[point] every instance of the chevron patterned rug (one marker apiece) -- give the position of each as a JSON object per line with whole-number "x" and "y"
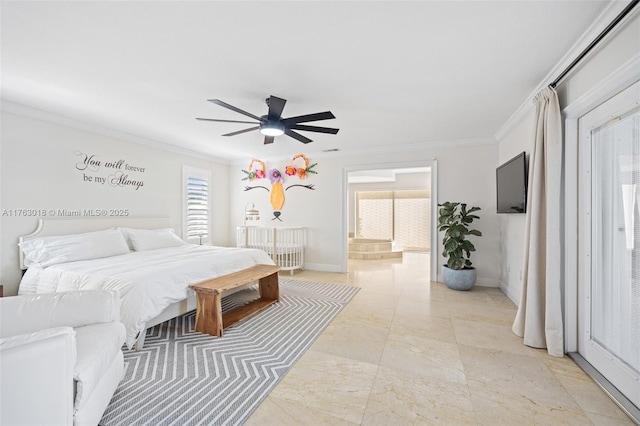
{"x": 182, "y": 377}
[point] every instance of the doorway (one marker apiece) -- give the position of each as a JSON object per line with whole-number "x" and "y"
{"x": 391, "y": 205}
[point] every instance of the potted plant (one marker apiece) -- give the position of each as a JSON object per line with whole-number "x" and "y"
{"x": 454, "y": 219}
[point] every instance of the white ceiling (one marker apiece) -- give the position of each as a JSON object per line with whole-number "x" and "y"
{"x": 393, "y": 73}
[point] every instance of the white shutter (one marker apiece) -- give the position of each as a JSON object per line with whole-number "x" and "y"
{"x": 401, "y": 216}
{"x": 196, "y": 204}
{"x": 197, "y": 207}
{"x": 374, "y": 214}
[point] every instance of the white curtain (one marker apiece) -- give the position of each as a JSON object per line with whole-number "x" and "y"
{"x": 539, "y": 317}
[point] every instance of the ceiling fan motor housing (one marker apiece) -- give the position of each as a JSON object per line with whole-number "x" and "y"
{"x": 273, "y": 124}
{"x": 271, "y": 127}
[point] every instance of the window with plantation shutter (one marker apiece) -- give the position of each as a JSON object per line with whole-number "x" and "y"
{"x": 196, "y": 212}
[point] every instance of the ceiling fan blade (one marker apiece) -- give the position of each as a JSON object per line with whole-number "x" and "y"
{"x": 314, "y": 129}
{"x": 276, "y": 105}
{"x": 297, "y": 136}
{"x": 327, "y": 115}
{"x": 268, "y": 139}
{"x": 242, "y": 131}
{"x": 226, "y": 121}
{"x": 232, "y": 108}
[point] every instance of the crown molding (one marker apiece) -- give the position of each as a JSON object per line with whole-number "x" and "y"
{"x": 616, "y": 82}
{"x": 29, "y": 112}
{"x": 604, "y": 19}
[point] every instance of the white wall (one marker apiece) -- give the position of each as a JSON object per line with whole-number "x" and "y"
{"x": 512, "y": 226}
{"x": 465, "y": 173}
{"x": 619, "y": 49}
{"x": 38, "y": 171}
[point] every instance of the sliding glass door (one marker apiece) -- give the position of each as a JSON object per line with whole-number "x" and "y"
{"x": 609, "y": 280}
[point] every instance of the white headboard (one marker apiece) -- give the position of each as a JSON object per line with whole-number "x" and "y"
{"x": 73, "y": 225}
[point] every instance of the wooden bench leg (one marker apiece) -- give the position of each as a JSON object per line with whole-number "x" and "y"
{"x": 209, "y": 318}
{"x": 269, "y": 288}
{"x": 209, "y": 313}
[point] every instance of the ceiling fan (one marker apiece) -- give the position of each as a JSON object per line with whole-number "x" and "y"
{"x": 272, "y": 124}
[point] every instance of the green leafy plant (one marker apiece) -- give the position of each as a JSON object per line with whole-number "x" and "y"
{"x": 454, "y": 219}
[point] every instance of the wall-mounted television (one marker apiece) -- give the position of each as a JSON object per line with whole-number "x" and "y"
{"x": 511, "y": 183}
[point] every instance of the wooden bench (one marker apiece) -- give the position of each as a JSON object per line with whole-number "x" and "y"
{"x": 209, "y": 318}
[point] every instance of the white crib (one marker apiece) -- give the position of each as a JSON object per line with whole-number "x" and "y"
{"x": 284, "y": 245}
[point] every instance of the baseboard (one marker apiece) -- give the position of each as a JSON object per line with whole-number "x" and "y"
{"x": 509, "y": 293}
{"x": 486, "y": 282}
{"x": 323, "y": 267}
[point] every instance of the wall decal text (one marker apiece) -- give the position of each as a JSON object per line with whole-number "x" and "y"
{"x": 118, "y": 173}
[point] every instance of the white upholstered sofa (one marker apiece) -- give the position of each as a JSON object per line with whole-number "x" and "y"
{"x": 60, "y": 357}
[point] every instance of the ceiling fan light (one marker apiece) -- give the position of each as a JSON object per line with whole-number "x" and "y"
{"x": 272, "y": 129}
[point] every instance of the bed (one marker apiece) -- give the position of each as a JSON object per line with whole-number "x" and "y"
{"x": 153, "y": 282}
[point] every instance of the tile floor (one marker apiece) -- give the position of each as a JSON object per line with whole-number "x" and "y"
{"x": 407, "y": 351}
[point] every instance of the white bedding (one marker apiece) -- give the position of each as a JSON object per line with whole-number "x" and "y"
{"x": 147, "y": 281}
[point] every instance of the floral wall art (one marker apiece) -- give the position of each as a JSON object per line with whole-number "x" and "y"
{"x": 297, "y": 169}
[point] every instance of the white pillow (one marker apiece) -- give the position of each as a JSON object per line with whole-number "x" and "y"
{"x": 47, "y": 251}
{"x": 150, "y": 239}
